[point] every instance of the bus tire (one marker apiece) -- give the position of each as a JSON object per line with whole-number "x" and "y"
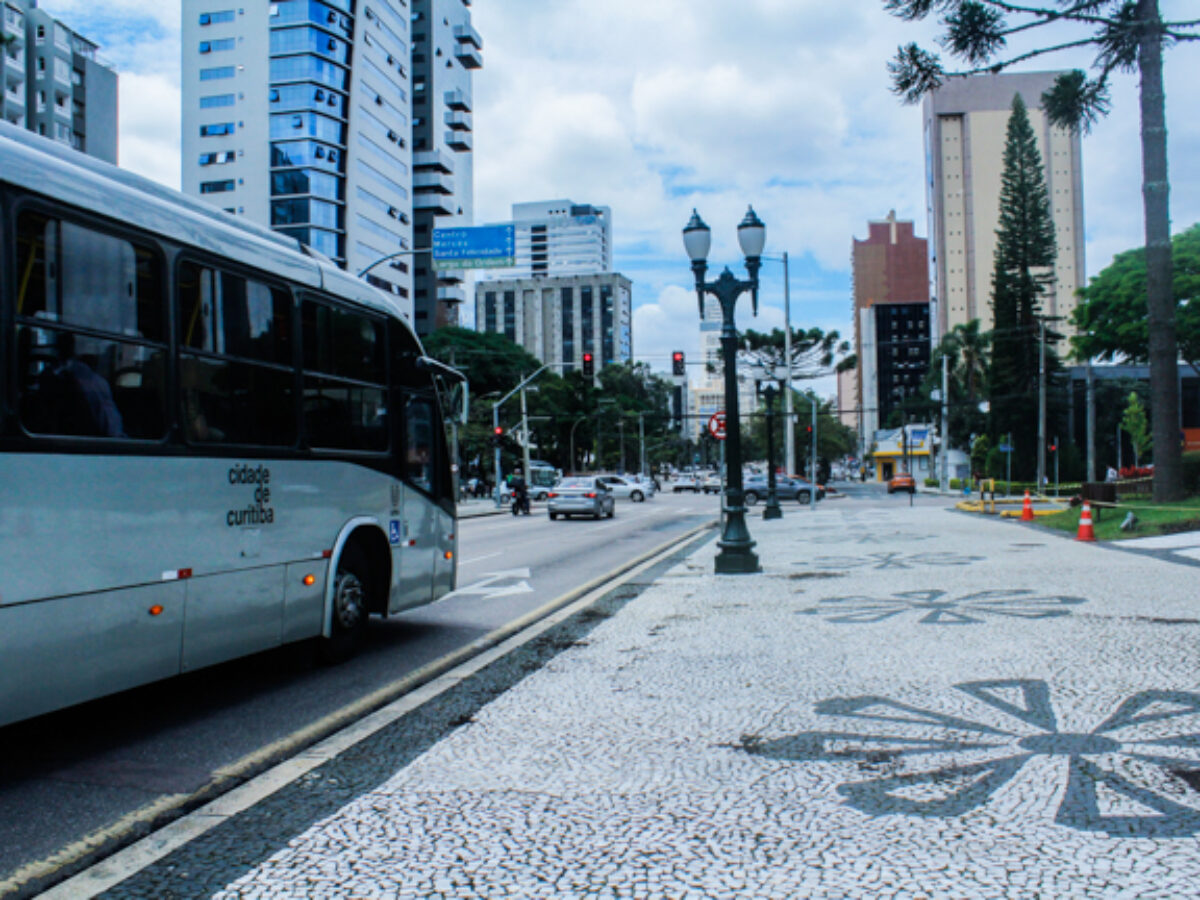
{"x": 351, "y": 605}
{"x": 637, "y": 496}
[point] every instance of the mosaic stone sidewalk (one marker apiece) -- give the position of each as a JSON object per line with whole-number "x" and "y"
{"x": 905, "y": 703}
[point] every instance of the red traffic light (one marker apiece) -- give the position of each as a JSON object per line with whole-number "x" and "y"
{"x": 498, "y": 430}
{"x": 808, "y": 428}
{"x": 589, "y": 367}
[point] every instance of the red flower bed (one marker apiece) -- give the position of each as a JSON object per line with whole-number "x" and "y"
{"x": 1136, "y": 472}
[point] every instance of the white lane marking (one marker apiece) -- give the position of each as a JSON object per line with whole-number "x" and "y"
{"x": 488, "y": 588}
{"x": 467, "y": 562}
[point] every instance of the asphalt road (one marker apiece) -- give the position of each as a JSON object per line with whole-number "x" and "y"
{"x": 70, "y": 775}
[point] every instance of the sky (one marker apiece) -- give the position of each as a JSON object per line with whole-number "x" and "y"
{"x": 656, "y": 107}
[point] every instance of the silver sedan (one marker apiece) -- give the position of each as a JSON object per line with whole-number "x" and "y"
{"x": 580, "y": 497}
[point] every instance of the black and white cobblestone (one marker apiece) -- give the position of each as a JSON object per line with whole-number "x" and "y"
{"x": 863, "y": 719}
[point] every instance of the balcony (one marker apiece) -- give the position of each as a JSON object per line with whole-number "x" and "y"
{"x": 457, "y": 100}
{"x": 465, "y": 34}
{"x": 459, "y": 141}
{"x": 468, "y": 56}
{"x": 438, "y": 204}
{"x": 433, "y": 161}
{"x": 451, "y": 295}
{"x": 458, "y": 121}
{"x": 432, "y": 183}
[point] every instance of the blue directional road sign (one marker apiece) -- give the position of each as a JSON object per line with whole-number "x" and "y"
{"x": 1006, "y": 448}
{"x": 484, "y": 247}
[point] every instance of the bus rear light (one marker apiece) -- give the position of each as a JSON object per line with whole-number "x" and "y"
{"x": 176, "y": 574}
{"x": 448, "y": 555}
{"x": 310, "y": 580}
{"x": 326, "y": 554}
{"x": 156, "y": 610}
{"x": 591, "y": 496}
{"x": 412, "y": 543}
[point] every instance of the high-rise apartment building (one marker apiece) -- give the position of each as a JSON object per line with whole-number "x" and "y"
{"x": 559, "y": 319}
{"x": 445, "y": 51}
{"x": 965, "y": 130}
{"x": 560, "y": 237}
{"x": 297, "y": 115}
{"x": 54, "y": 84}
{"x": 891, "y": 318}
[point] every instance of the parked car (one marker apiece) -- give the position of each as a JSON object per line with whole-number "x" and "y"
{"x": 786, "y": 488}
{"x": 587, "y": 496}
{"x": 901, "y": 481}
{"x": 693, "y": 483}
{"x": 626, "y": 487}
{"x": 711, "y": 483}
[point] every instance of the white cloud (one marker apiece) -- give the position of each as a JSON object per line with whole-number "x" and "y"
{"x": 653, "y": 107}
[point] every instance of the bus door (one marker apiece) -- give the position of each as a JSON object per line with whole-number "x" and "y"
{"x": 421, "y": 522}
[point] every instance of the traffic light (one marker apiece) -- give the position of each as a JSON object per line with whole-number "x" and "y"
{"x": 589, "y": 365}
{"x": 497, "y": 434}
{"x": 677, "y": 363}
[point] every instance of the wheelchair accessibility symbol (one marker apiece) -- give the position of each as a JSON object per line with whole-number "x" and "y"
{"x": 394, "y": 531}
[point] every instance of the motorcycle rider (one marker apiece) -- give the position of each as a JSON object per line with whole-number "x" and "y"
{"x": 520, "y": 493}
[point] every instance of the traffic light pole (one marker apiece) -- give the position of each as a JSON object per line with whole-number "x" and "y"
{"x": 497, "y": 431}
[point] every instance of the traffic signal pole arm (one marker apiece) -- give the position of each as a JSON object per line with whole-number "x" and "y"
{"x": 496, "y": 431}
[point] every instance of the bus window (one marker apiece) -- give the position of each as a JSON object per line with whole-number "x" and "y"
{"x": 419, "y": 443}
{"x": 345, "y": 377}
{"x": 235, "y": 368}
{"x": 90, "y": 339}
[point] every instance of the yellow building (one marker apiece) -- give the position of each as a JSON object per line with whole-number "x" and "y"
{"x": 909, "y": 449}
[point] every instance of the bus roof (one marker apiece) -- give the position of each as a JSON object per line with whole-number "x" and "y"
{"x": 42, "y": 166}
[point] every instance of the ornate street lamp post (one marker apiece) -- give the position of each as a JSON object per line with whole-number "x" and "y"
{"x": 771, "y": 510}
{"x": 736, "y": 555}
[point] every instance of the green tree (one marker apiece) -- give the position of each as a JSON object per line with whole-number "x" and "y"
{"x": 1127, "y": 35}
{"x": 1022, "y": 274}
{"x": 1111, "y": 315}
{"x": 1135, "y": 425}
{"x": 490, "y": 360}
{"x": 966, "y": 350}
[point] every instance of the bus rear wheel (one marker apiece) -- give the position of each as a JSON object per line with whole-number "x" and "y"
{"x": 351, "y": 604}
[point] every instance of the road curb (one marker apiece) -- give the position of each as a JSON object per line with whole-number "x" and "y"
{"x": 56, "y": 874}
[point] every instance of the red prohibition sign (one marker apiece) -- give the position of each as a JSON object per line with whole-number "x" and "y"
{"x": 716, "y": 425}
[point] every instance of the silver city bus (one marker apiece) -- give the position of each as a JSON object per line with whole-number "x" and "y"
{"x": 212, "y": 441}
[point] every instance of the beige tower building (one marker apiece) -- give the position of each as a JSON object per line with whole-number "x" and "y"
{"x": 965, "y": 128}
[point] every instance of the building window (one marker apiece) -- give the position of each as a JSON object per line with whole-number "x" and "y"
{"x": 217, "y": 73}
{"x": 217, "y": 129}
{"x": 216, "y": 18}
{"x": 216, "y": 187}
{"x": 217, "y": 46}
{"x": 216, "y": 100}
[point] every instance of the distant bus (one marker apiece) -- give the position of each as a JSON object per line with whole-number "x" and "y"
{"x": 211, "y": 441}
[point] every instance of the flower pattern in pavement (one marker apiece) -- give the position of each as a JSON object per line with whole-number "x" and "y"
{"x": 1120, "y": 778}
{"x": 889, "y": 559}
{"x": 937, "y": 607}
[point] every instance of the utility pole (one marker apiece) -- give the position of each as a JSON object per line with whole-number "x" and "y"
{"x": 524, "y": 435}
{"x": 813, "y": 498}
{"x": 789, "y": 426}
{"x": 1041, "y": 448}
{"x": 642, "y": 444}
{"x": 621, "y": 431}
{"x": 945, "y": 479}
{"x": 1091, "y": 423}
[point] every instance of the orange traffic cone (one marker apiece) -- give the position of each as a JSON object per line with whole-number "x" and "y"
{"x": 1085, "y": 524}
{"x": 1027, "y": 509}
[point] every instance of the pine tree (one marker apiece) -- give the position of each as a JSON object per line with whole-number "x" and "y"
{"x": 1023, "y": 272}
{"x": 1127, "y": 36}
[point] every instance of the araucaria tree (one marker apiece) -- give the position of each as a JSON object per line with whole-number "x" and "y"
{"x": 1127, "y": 35}
{"x": 1023, "y": 272}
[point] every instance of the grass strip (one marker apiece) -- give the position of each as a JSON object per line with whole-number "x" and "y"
{"x": 1152, "y": 518}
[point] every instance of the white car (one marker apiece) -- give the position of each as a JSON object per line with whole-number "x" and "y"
{"x": 626, "y": 488}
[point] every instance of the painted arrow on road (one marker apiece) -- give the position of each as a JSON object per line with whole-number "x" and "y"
{"x": 493, "y": 585}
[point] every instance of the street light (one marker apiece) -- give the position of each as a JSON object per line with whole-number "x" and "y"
{"x": 771, "y": 510}
{"x": 736, "y": 555}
